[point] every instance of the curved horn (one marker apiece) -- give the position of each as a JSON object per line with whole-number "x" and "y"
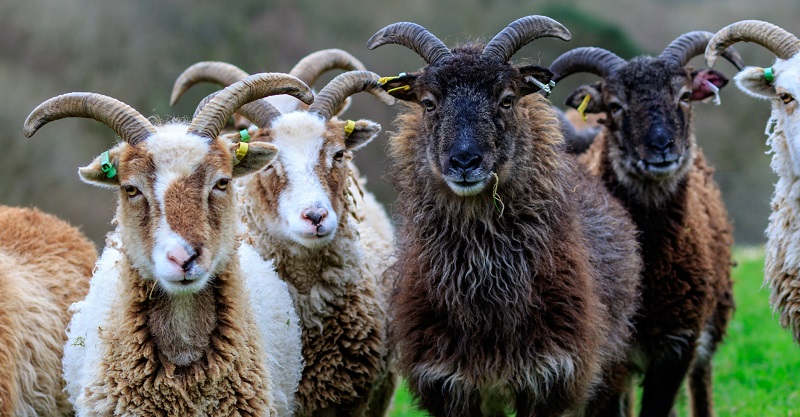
{"x": 780, "y": 42}
{"x": 312, "y": 66}
{"x": 217, "y": 72}
{"x": 692, "y": 44}
{"x": 344, "y": 85}
{"x": 522, "y": 31}
{"x": 586, "y": 59}
{"x": 260, "y": 112}
{"x": 210, "y": 121}
{"x": 126, "y": 122}
{"x": 412, "y": 36}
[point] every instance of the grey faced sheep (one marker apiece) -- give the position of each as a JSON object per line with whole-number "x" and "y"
{"x": 303, "y": 212}
{"x": 518, "y": 274}
{"x": 178, "y": 320}
{"x": 648, "y": 158}
{"x": 780, "y": 84}
{"x": 45, "y": 265}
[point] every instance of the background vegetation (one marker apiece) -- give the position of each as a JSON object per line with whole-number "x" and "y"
{"x": 134, "y": 50}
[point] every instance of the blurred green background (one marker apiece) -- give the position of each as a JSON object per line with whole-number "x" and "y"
{"x": 134, "y": 50}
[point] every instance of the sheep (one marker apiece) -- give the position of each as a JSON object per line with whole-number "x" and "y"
{"x": 45, "y": 264}
{"x": 647, "y": 156}
{"x": 778, "y": 84}
{"x": 308, "y": 70}
{"x": 179, "y": 320}
{"x": 517, "y": 273}
{"x": 303, "y": 213}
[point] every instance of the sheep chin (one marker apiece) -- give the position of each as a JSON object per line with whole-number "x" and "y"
{"x": 467, "y": 189}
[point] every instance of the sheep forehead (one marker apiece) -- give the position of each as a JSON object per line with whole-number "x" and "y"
{"x": 300, "y": 138}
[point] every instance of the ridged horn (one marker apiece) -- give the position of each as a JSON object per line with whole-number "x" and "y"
{"x": 780, "y": 42}
{"x": 692, "y": 44}
{"x": 126, "y": 122}
{"x": 344, "y": 85}
{"x": 260, "y": 112}
{"x": 216, "y": 72}
{"x": 412, "y": 36}
{"x": 313, "y": 65}
{"x": 585, "y": 59}
{"x": 521, "y": 32}
{"x": 210, "y": 121}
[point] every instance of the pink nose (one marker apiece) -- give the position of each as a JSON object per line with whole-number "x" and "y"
{"x": 180, "y": 257}
{"x": 315, "y": 215}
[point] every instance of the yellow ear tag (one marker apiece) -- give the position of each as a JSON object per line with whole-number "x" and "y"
{"x": 583, "y": 106}
{"x": 402, "y": 87}
{"x": 349, "y": 127}
{"x": 241, "y": 151}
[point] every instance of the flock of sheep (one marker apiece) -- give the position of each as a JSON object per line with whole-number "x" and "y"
{"x": 538, "y": 266}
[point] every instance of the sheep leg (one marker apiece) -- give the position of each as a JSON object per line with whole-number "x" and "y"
{"x": 661, "y": 384}
{"x": 439, "y": 401}
{"x": 700, "y": 392}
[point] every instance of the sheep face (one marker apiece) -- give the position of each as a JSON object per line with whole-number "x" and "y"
{"x": 303, "y": 190}
{"x": 469, "y": 112}
{"x": 649, "y": 106}
{"x": 175, "y": 206}
{"x": 783, "y": 91}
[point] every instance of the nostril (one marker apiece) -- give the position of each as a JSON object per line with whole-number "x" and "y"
{"x": 465, "y": 161}
{"x": 315, "y": 215}
{"x": 183, "y": 258}
{"x": 189, "y": 262}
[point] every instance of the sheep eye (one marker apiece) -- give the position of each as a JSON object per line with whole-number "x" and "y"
{"x": 686, "y": 96}
{"x": 428, "y": 104}
{"x": 614, "y": 107}
{"x": 222, "y": 184}
{"x": 786, "y": 98}
{"x": 507, "y": 102}
{"x": 131, "y": 191}
{"x": 338, "y": 156}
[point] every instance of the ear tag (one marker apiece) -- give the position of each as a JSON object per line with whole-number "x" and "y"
{"x": 402, "y": 87}
{"x": 584, "y": 104}
{"x": 384, "y": 80}
{"x": 715, "y": 90}
{"x": 547, "y": 88}
{"x": 107, "y": 166}
{"x": 349, "y": 127}
{"x": 241, "y": 151}
{"x": 245, "y": 135}
{"x": 769, "y": 75}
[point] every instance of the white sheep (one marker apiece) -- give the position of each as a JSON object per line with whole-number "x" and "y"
{"x": 780, "y": 85}
{"x": 175, "y": 322}
{"x": 304, "y": 212}
{"x": 45, "y": 264}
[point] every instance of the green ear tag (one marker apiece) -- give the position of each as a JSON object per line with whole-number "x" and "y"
{"x": 769, "y": 75}
{"x": 107, "y": 166}
{"x": 245, "y": 135}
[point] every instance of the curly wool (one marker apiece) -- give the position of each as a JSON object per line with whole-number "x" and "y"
{"x": 782, "y": 263}
{"x": 338, "y": 295}
{"x": 45, "y": 265}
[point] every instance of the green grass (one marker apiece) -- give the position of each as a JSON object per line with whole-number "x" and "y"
{"x": 757, "y": 368}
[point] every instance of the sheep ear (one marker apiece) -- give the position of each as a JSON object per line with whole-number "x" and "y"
{"x": 751, "y": 80}
{"x": 360, "y": 133}
{"x": 401, "y": 87}
{"x": 257, "y": 155}
{"x": 534, "y": 77}
{"x": 700, "y": 80}
{"x": 102, "y": 172}
{"x": 596, "y": 103}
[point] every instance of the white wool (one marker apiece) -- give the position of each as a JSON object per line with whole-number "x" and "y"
{"x": 279, "y": 325}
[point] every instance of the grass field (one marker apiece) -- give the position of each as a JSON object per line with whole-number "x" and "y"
{"x": 757, "y": 369}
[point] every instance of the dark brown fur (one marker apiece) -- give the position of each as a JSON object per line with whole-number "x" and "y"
{"x": 527, "y": 310}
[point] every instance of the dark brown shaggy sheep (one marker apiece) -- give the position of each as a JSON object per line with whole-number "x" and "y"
{"x": 518, "y": 273}
{"x": 648, "y": 157}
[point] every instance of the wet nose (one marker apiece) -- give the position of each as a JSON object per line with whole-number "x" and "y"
{"x": 659, "y": 139}
{"x": 465, "y": 160}
{"x": 315, "y": 215}
{"x": 183, "y": 258}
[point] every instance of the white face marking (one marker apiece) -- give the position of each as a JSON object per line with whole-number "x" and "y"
{"x": 299, "y": 137}
{"x": 787, "y": 80}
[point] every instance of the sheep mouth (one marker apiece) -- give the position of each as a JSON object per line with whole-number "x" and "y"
{"x": 467, "y": 188}
{"x": 659, "y": 169}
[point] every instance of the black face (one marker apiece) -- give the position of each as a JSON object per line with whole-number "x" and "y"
{"x": 469, "y": 111}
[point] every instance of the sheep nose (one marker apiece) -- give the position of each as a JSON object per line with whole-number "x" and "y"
{"x": 315, "y": 215}
{"x": 466, "y": 161}
{"x": 659, "y": 140}
{"x": 183, "y": 258}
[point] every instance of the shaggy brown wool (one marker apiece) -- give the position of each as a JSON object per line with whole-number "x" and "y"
{"x": 529, "y": 308}
{"x": 687, "y": 292}
{"x": 45, "y": 265}
{"x": 229, "y": 379}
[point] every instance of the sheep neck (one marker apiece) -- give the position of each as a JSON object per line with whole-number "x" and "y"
{"x": 182, "y": 325}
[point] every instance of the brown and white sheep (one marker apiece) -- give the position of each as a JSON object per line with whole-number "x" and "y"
{"x": 648, "y": 157}
{"x": 780, "y": 85}
{"x": 305, "y": 212}
{"x": 45, "y": 265}
{"x": 518, "y": 273}
{"x": 173, "y": 324}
